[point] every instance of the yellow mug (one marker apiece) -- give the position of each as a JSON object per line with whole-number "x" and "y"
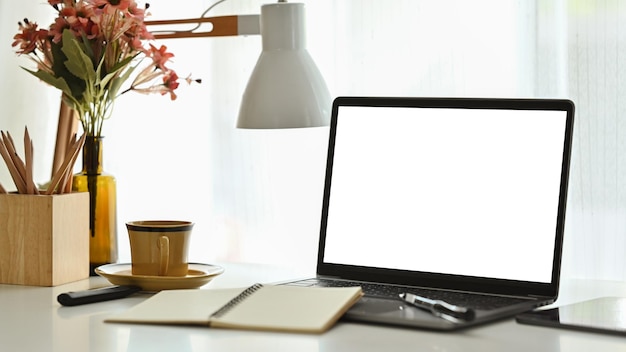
{"x": 159, "y": 247}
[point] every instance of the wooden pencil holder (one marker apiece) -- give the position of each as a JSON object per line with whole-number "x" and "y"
{"x": 44, "y": 238}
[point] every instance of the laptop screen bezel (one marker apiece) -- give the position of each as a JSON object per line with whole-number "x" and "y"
{"x": 445, "y": 281}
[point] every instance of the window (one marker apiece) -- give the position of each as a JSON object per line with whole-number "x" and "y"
{"x": 256, "y": 195}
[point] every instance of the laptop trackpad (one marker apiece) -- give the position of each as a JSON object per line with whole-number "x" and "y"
{"x": 395, "y": 312}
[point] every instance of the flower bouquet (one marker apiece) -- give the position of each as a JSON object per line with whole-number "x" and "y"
{"x": 90, "y": 51}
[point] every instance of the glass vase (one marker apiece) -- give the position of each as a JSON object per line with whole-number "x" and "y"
{"x": 102, "y": 204}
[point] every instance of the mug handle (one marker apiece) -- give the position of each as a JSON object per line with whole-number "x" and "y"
{"x": 164, "y": 249}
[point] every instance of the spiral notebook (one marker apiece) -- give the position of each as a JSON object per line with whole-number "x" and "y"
{"x": 258, "y": 307}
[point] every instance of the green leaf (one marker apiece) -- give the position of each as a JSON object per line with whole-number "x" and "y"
{"x": 78, "y": 63}
{"x": 116, "y": 83}
{"x": 58, "y": 58}
{"x": 86, "y": 47}
{"x": 99, "y": 73}
{"x": 118, "y": 79}
{"x": 58, "y": 83}
{"x": 105, "y": 80}
{"x": 76, "y": 84}
{"x": 120, "y": 65}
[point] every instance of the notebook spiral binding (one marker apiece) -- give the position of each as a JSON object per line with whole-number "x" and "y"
{"x": 235, "y": 301}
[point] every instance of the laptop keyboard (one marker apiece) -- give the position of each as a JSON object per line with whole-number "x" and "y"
{"x": 470, "y": 300}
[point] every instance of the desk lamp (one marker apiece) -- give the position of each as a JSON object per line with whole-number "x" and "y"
{"x": 286, "y": 89}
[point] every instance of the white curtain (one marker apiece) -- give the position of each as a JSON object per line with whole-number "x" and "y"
{"x": 256, "y": 195}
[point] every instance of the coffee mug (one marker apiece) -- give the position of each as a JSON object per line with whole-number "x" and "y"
{"x": 159, "y": 247}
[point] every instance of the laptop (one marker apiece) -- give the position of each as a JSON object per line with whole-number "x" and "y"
{"x": 458, "y": 203}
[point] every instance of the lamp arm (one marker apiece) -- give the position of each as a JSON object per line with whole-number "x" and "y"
{"x": 222, "y": 26}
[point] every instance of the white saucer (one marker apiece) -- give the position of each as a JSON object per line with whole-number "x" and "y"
{"x": 121, "y": 274}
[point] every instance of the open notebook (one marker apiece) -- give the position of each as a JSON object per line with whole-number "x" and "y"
{"x": 451, "y": 199}
{"x": 258, "y": 307}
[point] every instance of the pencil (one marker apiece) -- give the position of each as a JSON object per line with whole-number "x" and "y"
{"x": 15, "y": 174}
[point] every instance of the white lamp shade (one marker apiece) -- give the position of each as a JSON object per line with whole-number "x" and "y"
{"x": 286, "y": 89}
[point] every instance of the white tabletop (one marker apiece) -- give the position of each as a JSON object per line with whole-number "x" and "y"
{"x": 32, "y": 320}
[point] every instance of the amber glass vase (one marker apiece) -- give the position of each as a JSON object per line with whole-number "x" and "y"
{"x": 102, "y": 204}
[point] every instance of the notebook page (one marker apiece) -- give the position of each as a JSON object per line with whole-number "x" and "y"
{"x": 290, "y": 308}
{"x": 177, "y": 307}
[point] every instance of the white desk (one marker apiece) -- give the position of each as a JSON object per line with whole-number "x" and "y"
{"x": 32, "y": 320}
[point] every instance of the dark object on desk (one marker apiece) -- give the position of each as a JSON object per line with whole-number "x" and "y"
{"x": 604, "y": 315}
{"x": 96, "y": 295}
{"x": 453, "y": 199}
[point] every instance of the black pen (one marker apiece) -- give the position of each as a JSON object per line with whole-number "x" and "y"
{"x": 96, "y": 295}
{"x": 440, "y": 308}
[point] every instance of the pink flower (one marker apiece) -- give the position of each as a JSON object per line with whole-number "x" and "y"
{"x": 143, "y": 32}
{"x": 80, "y": 19}
{"x": 136, "y": 12}
{"x": 110, "y": 6}
{"x": 56, "y": 29}
{"x": 190, "y": 80}
{"x": 160, "y": 56}
{"x": 136, "y": 33}
{"x": 28, "y": 37}
{"x": 170, "y": 82}
{"x": 54, "y": 3}
{"x": 68, "y": 12}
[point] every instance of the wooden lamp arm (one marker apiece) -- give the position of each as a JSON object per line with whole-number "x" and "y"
{"x": 222, "y": 26}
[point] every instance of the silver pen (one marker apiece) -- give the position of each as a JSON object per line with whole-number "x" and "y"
{"x": 440, "y": 308}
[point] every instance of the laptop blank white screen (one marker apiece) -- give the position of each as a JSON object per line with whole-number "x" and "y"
{"x": 456, "y": 191}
